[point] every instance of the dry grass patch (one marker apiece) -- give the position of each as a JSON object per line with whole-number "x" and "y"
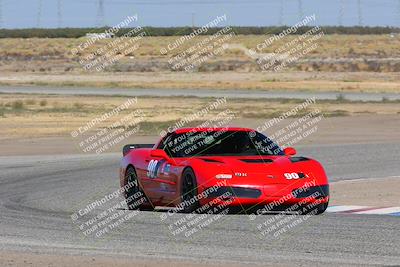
{"x": 59, "y": 115}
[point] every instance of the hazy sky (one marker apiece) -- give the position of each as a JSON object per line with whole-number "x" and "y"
{"x": 80, "y": 13}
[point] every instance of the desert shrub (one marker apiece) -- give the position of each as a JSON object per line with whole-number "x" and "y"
{"x": 30, "y": 102}
{"x": 78, "y": 105}
{"x": 43, "y": 103}
{"x": 17, "y": 105}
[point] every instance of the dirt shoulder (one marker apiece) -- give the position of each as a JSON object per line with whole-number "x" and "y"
{"x": 13, "y": 258}
{"x": 375, "y": 192}
{"x": 291, "y": 81}
{"x": 33, "y": 118}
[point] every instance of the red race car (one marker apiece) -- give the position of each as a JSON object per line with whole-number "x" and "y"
{"x": 238, "y": 167}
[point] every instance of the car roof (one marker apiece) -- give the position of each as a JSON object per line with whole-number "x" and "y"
{"x": 203, "y": 129}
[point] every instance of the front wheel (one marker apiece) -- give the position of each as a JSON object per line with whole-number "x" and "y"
{"x": 189, "y": 191}
{"x": 321, "y": 208}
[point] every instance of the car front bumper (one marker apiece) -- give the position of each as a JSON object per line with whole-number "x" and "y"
{"x": 262, "y": 195}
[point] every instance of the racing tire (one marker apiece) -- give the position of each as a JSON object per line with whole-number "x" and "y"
{"x": 189, "y": 191}
{"x": 140, "y": 202}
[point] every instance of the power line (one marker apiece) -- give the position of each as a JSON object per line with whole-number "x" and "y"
{"x": 173, "y": 2}
{"x": 39, "y": 14}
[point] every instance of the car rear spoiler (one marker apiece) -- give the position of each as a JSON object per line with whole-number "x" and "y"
{"x": 129, "y": 147}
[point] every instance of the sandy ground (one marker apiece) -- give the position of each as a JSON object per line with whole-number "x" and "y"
{"x": 292, "y": 81}
{"x": 13, "y": 258}
{"x": 378, "y": 192}
{"x": 24, "y": 116}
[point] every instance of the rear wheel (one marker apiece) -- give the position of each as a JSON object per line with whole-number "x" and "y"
{"x": 189, "y": 191}
{"x": 135, "y": 197}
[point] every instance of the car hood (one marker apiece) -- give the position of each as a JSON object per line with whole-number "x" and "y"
{"x": 261, "y": 169}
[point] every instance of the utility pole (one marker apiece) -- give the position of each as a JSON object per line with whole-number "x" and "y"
{"x": 281, "y": 13}
{"x": 100, "y": 13}
{"x": 300, "y": 4}
{"x": 59, "y": 14}
{"x": 398, "y": 12}
{"x": 39, "y": 14}
{"x": 360, "y": 18}
{"x": 1, "y": 14}
{"x": 341, "y": 12}
{"x": 193, "y": 16}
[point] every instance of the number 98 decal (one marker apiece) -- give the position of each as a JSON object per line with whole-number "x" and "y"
{"x": 291, "y": 176}
{"x": 152, "y": 168}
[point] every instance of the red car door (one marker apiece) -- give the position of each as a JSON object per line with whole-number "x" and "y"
{"x": 160, "y": 180}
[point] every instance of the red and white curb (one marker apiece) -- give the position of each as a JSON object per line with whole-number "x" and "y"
{"x": 392, "y": 211}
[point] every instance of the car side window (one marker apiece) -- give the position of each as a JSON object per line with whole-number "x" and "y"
{"x": 164, "y": 142}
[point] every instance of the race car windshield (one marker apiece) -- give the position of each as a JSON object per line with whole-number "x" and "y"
{"x": 216, "y": 143}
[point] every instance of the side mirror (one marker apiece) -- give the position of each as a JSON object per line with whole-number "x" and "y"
{"x": 289, "y": 151}
{"x": 159, "y": 153}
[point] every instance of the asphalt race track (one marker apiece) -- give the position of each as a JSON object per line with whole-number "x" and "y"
{"x": 38, "y": 195}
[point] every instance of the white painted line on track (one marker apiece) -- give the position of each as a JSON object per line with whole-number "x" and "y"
{"x": 363, "y": 179}
{"x": 380, "y": 211}
{"x": 353, "y": 209}
{"x": 344, "y": 208}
